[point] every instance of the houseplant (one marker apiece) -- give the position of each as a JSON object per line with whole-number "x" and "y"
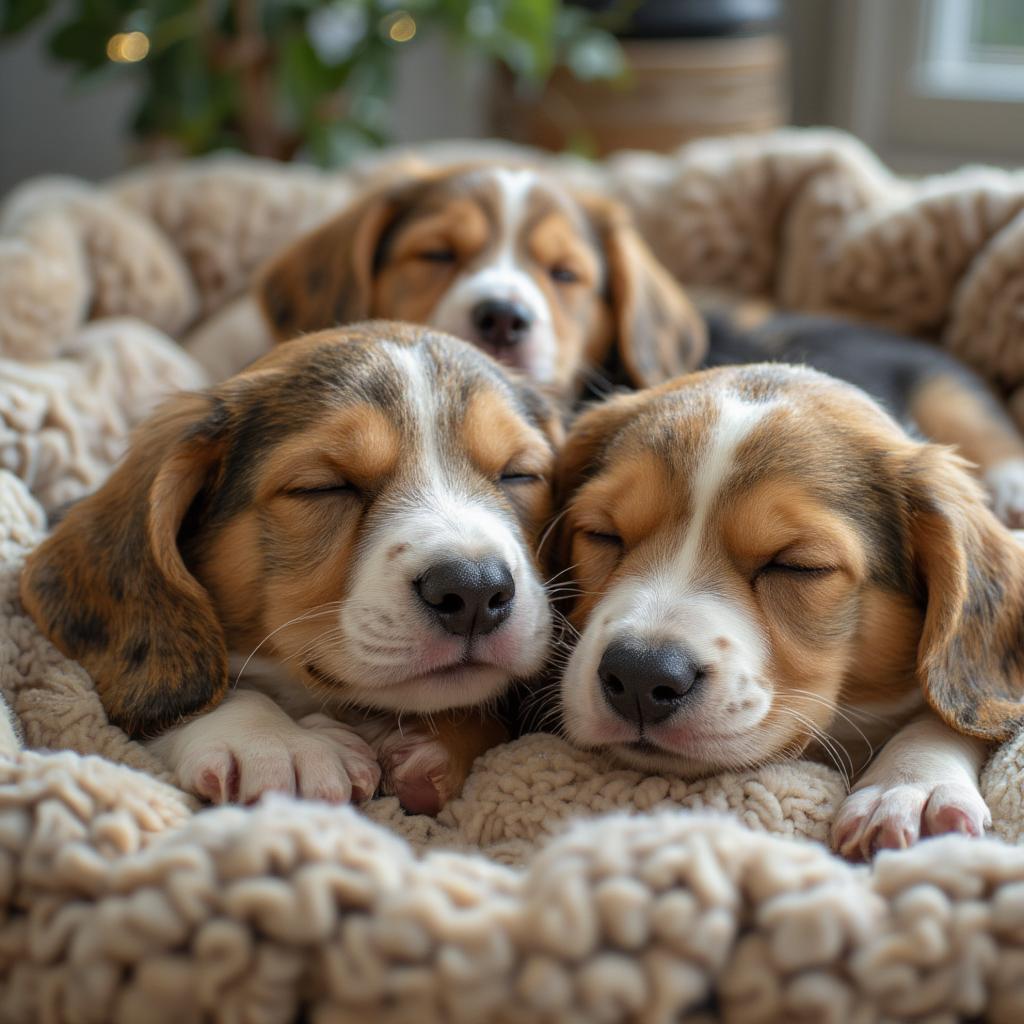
{"x": 281, "y": 78}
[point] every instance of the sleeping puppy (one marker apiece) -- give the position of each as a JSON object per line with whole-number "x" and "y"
{"x": 766, "y": 564}
{"x": 285, "y": 564}
{"x": 550, "y": 282}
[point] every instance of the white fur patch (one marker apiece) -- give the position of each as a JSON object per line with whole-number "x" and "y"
{"x": 505, "y": 278}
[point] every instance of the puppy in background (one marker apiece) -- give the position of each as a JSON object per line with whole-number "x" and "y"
{"x": 765, "y": 564}
{"x": 555, "y": 284}
{"x": 285, "y": 565}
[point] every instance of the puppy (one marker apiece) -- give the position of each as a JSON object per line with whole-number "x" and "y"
{"x": 285, "y": 564}
{"x": 553, "y": 283}
{"x": 766, "y": 564}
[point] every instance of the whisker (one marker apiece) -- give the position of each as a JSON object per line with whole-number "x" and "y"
{"x": 817, "y": 698}
{"x": 312, "y": 614}
{"x": 547, "y": 532}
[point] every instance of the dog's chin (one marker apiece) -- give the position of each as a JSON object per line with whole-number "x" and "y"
{"x": 455, "y": 686}
{"x": 699, "y": 759}
{"x": 644, "y": 756}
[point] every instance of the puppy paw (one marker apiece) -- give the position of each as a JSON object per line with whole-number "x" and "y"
{"x": 418, "y": 768}
{"x": 314, "y": 759}
{"x": 895, "y": 817}
{"x": 1005, "y": 485}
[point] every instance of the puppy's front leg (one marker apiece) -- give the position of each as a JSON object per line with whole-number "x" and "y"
{"x": 425, "y": 761}
{"x": 923, "y": 783}
{"x": 248, "y": 746}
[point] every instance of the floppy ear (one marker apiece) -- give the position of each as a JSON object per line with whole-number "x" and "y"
{"x": 325, "y": 278}
{"x": 659, "y": 333}
{"x": 971, "y": 653}
{"x": 110, "y": 589}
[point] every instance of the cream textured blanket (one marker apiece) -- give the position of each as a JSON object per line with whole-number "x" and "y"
{"x": 542, "y": 894}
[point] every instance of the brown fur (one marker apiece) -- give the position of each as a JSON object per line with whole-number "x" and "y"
{"x": 203, "y": 540}
{"x": 369, "y": 261}
{"x": 924, "y": 587}
{"x": 111, "y": 590}
{"x": 950, "y": 411}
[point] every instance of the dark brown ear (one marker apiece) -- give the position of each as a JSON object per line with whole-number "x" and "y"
{"x": 659, "y": 333}
{"x": 325, "y": 278}
{"x": 971, "y": 654}
{"x": 110, "y": 589}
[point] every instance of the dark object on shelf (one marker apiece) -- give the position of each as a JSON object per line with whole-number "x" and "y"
{"x": 687, "y": 19}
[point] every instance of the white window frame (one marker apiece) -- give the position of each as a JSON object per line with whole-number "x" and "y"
{"x": 906, "y": 84}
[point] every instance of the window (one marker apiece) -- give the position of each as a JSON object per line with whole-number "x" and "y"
{"x": 931, "y": 84}
{"x": 973, "y": 50}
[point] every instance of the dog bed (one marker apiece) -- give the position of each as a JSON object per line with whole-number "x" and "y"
{"x": 557, "y": 887}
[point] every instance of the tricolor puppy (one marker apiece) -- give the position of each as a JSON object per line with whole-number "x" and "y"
{"x": 553, "y": 283}
{"x": 765, "y": 564}
{"x": 283, "y": 565}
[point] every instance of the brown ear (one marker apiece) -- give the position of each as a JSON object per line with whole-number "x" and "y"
{"x": 971, "y": 653}
{"x": 325, "y": 278}
{"x": 659, "y": 333}
{"x": 110, "y": 589}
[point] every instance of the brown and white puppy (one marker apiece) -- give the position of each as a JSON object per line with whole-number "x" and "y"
{"x": 284, "y": 564}
{"x": 764, "y": 564}
{"x": 553, "y": 283}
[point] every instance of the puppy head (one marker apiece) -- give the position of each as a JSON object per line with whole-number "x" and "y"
{"x": 755, "y": 548}
{"x": 545, "y": 282}
{"x": 362, "y": 505}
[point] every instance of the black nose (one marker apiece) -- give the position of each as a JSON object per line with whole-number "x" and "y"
{"x": 646, "y": 684}
{"x": 501, "y": 324}
{"x": 468, "y": 597}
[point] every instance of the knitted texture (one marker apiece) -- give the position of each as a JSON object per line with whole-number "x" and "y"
{"x": 557, "y": 887}
{"x": 123, "y": 903}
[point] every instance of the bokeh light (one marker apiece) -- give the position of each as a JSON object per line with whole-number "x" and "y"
{"x": 127, "y": 47}
{"x": 400, "y": 26}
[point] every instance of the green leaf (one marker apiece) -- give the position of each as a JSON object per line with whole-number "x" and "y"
{"x": 529, "y": 28}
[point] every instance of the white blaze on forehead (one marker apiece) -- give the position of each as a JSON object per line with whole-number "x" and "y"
{"x": 737, "y": 417}
{"x": 445, "y": 517}
{"x": 514, "y": 187}
{"x": 419, "y": 391}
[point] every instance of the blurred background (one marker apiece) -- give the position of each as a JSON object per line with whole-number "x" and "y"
{"x": 89, "y": 87}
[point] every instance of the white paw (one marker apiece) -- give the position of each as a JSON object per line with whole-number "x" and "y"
{"x": 316, "y": 758}
{"x": 895, "y": 817}
{"x": 1005, "y": 485}
{"x": 418, "y": 770}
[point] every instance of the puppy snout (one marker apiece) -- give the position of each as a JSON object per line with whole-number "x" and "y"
{"x": 501, "y": 323}
{"x": 646, "y": 684}
{"x": 468, "y": 597}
